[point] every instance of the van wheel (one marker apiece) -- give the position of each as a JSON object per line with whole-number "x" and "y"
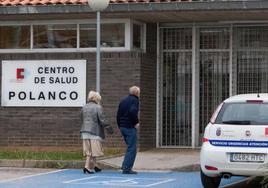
{"x": 210, "y": 182}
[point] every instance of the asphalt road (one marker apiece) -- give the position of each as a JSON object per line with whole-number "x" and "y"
{"x": 74, "y": 178}
{"x": 249, "y": 183}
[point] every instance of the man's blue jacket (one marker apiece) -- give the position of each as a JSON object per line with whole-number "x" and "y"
{"x": 127, "y": 114}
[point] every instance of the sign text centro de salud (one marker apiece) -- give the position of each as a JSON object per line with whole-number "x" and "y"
{"x": 44, "y": 83}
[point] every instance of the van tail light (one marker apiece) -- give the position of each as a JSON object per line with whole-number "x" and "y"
{"x": 204, "y": 140}
{"x": 215, "y": 114}
{"x": 212, "y": 168}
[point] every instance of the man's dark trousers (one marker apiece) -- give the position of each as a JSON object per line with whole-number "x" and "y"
{"x": 130, "y": 137}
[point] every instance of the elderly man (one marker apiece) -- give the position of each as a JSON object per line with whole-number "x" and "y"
{"x": 128, "y": 123}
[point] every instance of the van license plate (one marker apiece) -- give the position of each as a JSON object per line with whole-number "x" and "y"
{"x": 247, "y": 157}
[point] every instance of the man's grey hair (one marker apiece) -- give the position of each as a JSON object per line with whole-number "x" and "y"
{"x": 94, "y": 96}
{"x": 134, "y": 90}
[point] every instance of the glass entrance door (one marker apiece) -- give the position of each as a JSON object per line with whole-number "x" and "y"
{"x": 251, "y": 59}
{"x": 214, "y": 72}
{"x": 176, "y": 87}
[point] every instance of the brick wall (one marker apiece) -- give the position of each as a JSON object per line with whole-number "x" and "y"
{"x": 148, "y": 90}
{"x": 53, "y": 127}
{"x": 120, "y": 72}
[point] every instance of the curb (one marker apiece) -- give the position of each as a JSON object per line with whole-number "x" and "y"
{"x": 60, "y": 164}
{"x": 187, "y": 168}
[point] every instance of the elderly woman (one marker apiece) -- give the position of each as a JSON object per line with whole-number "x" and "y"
{"x": 92, "y": 131}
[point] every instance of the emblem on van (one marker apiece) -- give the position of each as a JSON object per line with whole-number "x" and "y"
{"x": 248, "y": 133}
{"x": 218, "y": 132}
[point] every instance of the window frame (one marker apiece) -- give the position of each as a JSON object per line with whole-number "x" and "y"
{"x": 128, "y": 36}
{"x": 143, "y": 35}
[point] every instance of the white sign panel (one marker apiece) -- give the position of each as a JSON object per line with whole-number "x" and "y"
{"x": 44, "y": 83}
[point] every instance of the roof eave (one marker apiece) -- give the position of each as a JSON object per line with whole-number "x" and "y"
{"x": 138, "y": 7}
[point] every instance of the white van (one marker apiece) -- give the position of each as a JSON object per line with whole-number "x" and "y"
{"x": 236, "y": 139}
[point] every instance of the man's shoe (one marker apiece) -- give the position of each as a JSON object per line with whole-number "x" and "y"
{"x": 97, "y": 169}
{"x": 129, "y": 172}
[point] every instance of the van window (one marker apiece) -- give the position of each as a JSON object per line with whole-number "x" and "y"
{"x": 243, "y": 114}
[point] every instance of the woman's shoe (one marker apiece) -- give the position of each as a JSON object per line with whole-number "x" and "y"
{"x": 85, "y": 170}
{"x": 97, "y": 169}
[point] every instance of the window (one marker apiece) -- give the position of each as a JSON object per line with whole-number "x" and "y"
{"x": 243, "y": 113}
{"x": 14, "y": 37}
{"x": 112, "y": 35}
{"x": 71, "y": 36}
{"x": 54, "y": 36}
{"x": 87, "y": 36}
{"x": 253, "y": 37}
{"x": 137, "y": 36}
{"x": 214, "y": 38}
{"x": 177, "y": 39}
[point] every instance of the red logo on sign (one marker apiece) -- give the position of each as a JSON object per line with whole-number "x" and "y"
{"x": 20, "y": 73}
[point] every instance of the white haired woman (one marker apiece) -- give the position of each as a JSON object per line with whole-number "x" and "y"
{"x": 92, "y": 131}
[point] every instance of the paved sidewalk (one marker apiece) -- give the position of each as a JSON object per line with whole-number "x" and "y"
{"x": 156, "y": 159}
{"x": 161, "y": 159}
